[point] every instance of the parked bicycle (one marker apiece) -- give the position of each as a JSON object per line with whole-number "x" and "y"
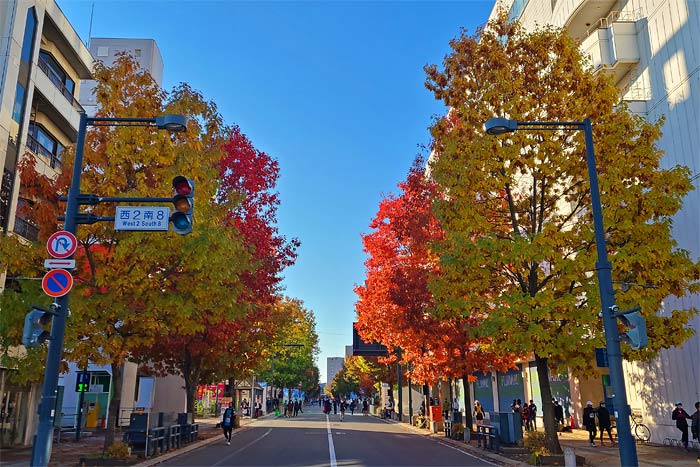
{"x": 640, "y": 430}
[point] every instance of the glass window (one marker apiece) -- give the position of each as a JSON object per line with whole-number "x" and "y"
{"x": 53, "y": 65}
{"x": 19, "y": 103}
{"x": 28, "y": 41}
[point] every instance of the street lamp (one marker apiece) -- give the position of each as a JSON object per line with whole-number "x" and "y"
{"x": 41, "y": 450}
{"x": 498, "y": 126}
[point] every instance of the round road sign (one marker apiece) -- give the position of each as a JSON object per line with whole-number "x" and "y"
{"x": 57, "y": 282}
{"x": 61, "y": 244}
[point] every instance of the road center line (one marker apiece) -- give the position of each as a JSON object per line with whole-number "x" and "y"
{"x": 331, "y": 449}
{"x": 243, "y": 448}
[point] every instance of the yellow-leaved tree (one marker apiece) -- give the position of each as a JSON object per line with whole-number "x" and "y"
{"x": 519, "y": 240}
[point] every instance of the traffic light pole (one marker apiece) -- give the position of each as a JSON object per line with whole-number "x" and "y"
{"x": 628, "y": 450}
{"x": 41, "y": 449}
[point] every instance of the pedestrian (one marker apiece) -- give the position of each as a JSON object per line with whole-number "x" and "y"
{"x": 526, "y": 417}
{"x": 446, "y": 406}
{"x": 589, "y": 422}
{"x": 681, "y": 417}
{"x": 290, "y": 408}
{"x": 227, "y": 422}
{"x": 335, "y": 406}
{"x": 455, "y": 409}
{"x": 342, "y": 407}
{"x": 604, "y": 423}
{"x": 559, "y": 414}
{"x": 365, "y": 408}
{"x": 533, "y": 416}
{"x": 296, "y": 407}
{"x": 478, "y": 413}
{"x": 695, "y": 428}
{"x": 353, "y": 404}
{"x": 326, "y": 406}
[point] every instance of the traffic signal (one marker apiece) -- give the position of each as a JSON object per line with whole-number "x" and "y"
{"x": 35, "y": 333}
{"x": 183, "y": 202}
{"x": 636, "y": 335}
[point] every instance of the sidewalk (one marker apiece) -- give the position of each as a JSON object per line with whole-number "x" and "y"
{"x": 68, "y": 453}
{"x": 599, "y": 456}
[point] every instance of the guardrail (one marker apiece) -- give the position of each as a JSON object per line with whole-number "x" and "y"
{"x": 58, "y": 82}
{"x": 487, "y": 437}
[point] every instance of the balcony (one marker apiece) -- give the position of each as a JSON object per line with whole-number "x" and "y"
{"x": 612, "y": 45}
{"x": 56, "y": 80}
{"x": 26, "y": 229}
{"x": 37, "y": 148}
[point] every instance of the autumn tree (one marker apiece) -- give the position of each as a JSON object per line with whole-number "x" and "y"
{"x": 516, "y": 211}
{"x": 230, "y": 348}
{"x": 290, "y": 359}
{"x": 396, "y": 303}
{"x": 134, "y": 288}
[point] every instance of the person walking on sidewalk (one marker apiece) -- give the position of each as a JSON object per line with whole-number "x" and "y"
{"x": 695, "y": 427}
{"x": 604, "y": 423}
{"x": 681, "y": 417}
{"x": 227, "y": 422}
{"x": 478, "y": 413}
{"x": 589, "y": 422}
{"x": 533, "y": 416}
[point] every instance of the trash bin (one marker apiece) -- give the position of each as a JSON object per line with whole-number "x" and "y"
{"x": 436, "y": 413}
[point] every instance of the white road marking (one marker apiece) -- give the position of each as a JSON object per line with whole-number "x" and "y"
{"x": 331, "y": 449}
{"x": 467, "y": 453}
{"x": 243, "y": 448}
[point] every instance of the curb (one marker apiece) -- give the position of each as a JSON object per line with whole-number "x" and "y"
{"x": 191, "y": 447}
{"x": 476, "y": 452}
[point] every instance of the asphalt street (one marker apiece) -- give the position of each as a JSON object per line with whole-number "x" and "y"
{"x": 313, "y": 439}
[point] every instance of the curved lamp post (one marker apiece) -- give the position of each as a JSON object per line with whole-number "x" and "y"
{"x": 628, "y": 450}
{"x": 41, "y": 449}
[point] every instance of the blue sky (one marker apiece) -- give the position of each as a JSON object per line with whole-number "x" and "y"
{"x": 332, "y": 90}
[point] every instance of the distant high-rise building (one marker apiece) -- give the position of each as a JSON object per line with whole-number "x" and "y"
{"x": 333, "y": 367}
{"x": 144, "y": 51}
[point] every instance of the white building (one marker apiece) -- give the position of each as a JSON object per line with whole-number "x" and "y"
{"x": 333, "y": 367}
{"x": 651, "y": 47}
{"x": 42, "y": 63}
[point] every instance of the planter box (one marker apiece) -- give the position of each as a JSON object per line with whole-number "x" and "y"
{"x": 102, "y": 461}
{"x": 558, "y": 460}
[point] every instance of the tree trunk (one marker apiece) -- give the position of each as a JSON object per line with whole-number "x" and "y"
{"x": 114, "y": 405}
{"x": 467, "y": 403}
{"x": 191, "y": 377}
{"x": 550, "y": 424}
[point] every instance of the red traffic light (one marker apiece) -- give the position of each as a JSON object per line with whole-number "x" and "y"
{"x": 182, "y": 185}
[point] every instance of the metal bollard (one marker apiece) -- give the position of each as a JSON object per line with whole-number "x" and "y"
{"x": 569, "y": 457}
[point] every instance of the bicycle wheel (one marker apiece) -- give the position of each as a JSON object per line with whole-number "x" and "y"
{"x": 642, "y": 432}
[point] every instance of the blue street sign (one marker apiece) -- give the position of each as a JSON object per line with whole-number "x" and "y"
{"x": 57, "y": 282}
{"x": 82, "y": 381}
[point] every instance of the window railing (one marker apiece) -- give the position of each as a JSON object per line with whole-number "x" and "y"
{"x": 37, "y": 148}
{"x": 58, "y": 82}
{"x": 26, "y": 229}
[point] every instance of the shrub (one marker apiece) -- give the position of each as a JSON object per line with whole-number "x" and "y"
{"x": 535, "y": 442}
{"x": 458, "y": 431}
{"x": 118, "y": 450}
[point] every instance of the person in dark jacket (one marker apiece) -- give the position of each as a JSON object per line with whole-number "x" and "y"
{"x": 227, "y": 421}
{"x": 681, "y": 417}
{"x": 604, "y": 423}
{"x": 589, "y": 422}
{"x": 558, "y": 414}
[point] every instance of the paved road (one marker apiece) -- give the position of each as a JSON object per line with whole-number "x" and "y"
{"x": 313, "y": 439}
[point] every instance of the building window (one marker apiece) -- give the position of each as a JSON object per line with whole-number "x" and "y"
{"x": 56, "y": 73}
{"x": 23, "y": 226}
{"x": 18, "y": 108}
{"x": 102, "y": 51}
{"x": 5, "y": 195}
{"x": 28, "y": 41}
{"x": 137, "y": 52}
{"x": 41, "y": 142}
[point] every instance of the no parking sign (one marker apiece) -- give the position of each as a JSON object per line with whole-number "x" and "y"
{"x": 57, "y": 283}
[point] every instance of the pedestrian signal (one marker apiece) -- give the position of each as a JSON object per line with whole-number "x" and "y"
{"x": 636, "y": 335}
{"x": 35, "y": 332}
{"x": 183, "y": 201}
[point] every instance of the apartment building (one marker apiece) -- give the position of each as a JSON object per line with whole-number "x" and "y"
{"x": 42, "y": 62}
{"x": 105, "y": 50}
{"x": 651, "y": 49}
{"x": 333, "y": 367}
